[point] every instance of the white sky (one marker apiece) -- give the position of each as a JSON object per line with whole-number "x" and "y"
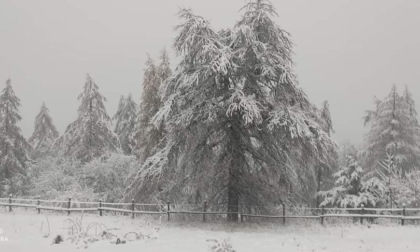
{"x": 347, "y": 51}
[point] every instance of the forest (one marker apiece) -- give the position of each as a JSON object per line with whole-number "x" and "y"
{"x": 228, "y": 125}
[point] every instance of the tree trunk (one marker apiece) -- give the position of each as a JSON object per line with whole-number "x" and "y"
{"x": 233, "y": 201}
{"x": 318, "y": 187}
{"x": 236, "y": 164}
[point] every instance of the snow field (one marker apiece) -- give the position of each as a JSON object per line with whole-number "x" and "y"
{"x": 30, "y": 232}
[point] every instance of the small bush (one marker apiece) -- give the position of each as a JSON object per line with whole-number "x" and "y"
{"x": 58, "y": 239}
{"x": 224, "y": 246}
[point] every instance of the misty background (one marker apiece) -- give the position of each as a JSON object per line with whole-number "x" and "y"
{"x": 346, "y": 51}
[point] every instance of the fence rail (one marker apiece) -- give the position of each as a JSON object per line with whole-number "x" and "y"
{"x": 361, "y": 213}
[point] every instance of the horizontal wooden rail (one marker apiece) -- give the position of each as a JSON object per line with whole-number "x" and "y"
{"x": 66, "y": 209}
{"x": 128, "y": 211}
{"x": 116, "y": 204}
{"x": 363, "y": 216}
{"x": 413, "y": 209}
{"x": 52, "y": 208}
{"x": 18, "y": 205}
{"x": 411, "y": 218}
{"x": 280, "y": 216}
{"x": 207, "y": 213}
{"x": 25, "y": 200}
{"x": 115, "y": 209}
{"x": 51, "y": 201}
{"x": 80, "y": 209}
{"x": 384, "y": 209}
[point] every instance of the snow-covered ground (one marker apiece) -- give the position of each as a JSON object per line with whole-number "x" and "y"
{"x": 25, "y": 231}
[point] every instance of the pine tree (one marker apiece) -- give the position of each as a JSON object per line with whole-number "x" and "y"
{"x": 90, "y": 135}
{"x": 119, "y": 112}
{"x": 349, "y": 186}
{"x": 44, "y": 135}
{"x": 239, "y": 129}
{"x": 325, "y": 167}
{"x": 164, "y": 70}
{"x": 398, "y": 190}
{"x": 389, "y": 173}
{"x": 14, "y": 148}
{"x": 147, "y": 136}
{"x": 346, "y": 149}
{"x": 394, "y": 130}
{"x": 351, "y": 190}
{"x": 125, "y": 122}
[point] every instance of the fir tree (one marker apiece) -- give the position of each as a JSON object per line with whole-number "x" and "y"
{"x": 398, "y": 190}
{"x": 350, "y": 190}
{"x": 389, "y": 174}
{"x": 164, "y": 70}
{"x": 325, "y": 166}
{"x": 13, "y": 146}
{"x": 90, "y": 135}
{"x": 119, "y": 112}
{"x": 147, "y": 136}
{"x": 44, "y": 134}
{"x": 125, "y": 122}
{"x": 393, "y": 130}
{"x": 239, "y": 129}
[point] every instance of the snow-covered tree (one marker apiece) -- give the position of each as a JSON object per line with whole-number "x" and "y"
{"x": 147, "y": 136}
{"x": 125, "y": 121}
{"x": 44, "y": 135}
{"x": 325, "y": 167}
{"x": 14, "y": 148}
{"x": 119, "y": 112}
{"x": 164, "y": 70}
{"x": 55, "y": 178}
{"x": 101, "y": 178}
{"x": 346, "y": 149}
{"x": 350, "y": 190}
{"x": 389, "y": 174}
{"x": 90, "y": 135}
{"x": 108, "y": 178}
{"x": 239, "y": 129}
{"x": 406, "y": 190}
{"x": 394, "y": 129}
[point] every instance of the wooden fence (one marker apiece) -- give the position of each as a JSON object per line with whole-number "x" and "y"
{"x": 362, "y": 213}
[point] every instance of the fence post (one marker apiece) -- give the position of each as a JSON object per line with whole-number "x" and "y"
{"x": 100, "y": 207}
{"x": 10, "y": 203}
{"x": 361, "y": 217}
{"x": 132, "y": 208}
{"x": 39, "y": 203}
{"x": 284, "y": 214}
{"x": 322, "y": 215}
{"x": 169, "y": 209}
{"x": 69, "y": 206}
{"x": 204, "y": 210}
{"x": 404, "y": 214}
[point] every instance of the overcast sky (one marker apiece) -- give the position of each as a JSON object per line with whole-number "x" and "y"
{"x": 346, "y": 51}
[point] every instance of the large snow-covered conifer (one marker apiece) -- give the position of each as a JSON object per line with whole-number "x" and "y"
{"x": 44, "y": 135}
{"x": 14, "y": 148}
{"x": 125, "y": 119}
{"x": 239, "y": 129}
{"x": 393, "y": 130}
{"x": 90, "y": 135}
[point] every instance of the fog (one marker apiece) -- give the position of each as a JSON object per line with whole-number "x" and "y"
{"x": 346, "y": 52}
